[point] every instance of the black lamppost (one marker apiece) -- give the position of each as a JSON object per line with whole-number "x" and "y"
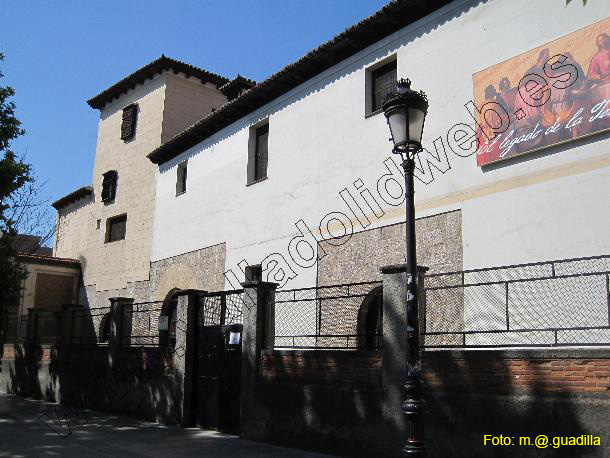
{"x": 405, "y": 111}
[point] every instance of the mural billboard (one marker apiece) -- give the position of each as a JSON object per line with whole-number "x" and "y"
{"x": 552, "y": 94}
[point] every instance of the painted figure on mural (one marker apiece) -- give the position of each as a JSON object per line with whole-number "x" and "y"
{"x": 488, "y": 145}
{"x": 568, "y": 106}
{"x": 554, "y": 100}
{"x": 528, "y": 112}
{"x": 599, "y": 68}
{"x": 508, "y": 94}
{"x": 599, "y": 81}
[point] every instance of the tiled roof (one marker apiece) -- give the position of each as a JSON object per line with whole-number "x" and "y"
{"x": 148, "y": 71}
{"x": 73, "y": 197}
{"x": 233, "y": 87}
{"x": 392, "y": 17}
{"x": 40, "y": 259}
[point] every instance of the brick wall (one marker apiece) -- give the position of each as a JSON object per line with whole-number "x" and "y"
{"x": 11, "y": 352}
{"x": 498, "y": 372}
{"x": 357, "y": 369}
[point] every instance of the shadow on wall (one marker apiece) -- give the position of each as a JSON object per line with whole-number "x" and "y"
{"x": 318, "y": 400}
{"x": 336, "y": 401}
{"x": 317, "y": 406}
{"x": 137, "y": 381}
{"x": 514, "y": 394}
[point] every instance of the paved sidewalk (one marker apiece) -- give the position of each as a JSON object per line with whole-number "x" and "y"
{"x": 23, "y": 434}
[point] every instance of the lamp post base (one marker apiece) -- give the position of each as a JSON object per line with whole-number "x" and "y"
{"x": 414, "y": 407}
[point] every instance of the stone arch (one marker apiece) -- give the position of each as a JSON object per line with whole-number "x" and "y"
{"x": 167, "y": 338}
{"x": 178, "y": 275}
{"x": 104, "y": 329}
{"x": 370, "y": 320}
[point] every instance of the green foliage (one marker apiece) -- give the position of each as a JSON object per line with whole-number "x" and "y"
{"x": 14, "y": 174}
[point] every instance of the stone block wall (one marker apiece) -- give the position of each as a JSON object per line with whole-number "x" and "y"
{"x": 439, "y": 247}
{"x": 200, "y": 269}
{"x": 187, "y": 100}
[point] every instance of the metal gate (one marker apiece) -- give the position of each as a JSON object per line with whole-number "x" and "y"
{"x": 218, "y": 364}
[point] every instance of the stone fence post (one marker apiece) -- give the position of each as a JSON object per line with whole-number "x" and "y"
{"x": 185, "y": 355}
{"x": 64, "y": 349}
{"x": 117, "y": 312}
{"x": 394, "y": 359}
{"x": 66, "y": 327}
{"x": 30, "y": 331}
{"x": 258, "y": 332}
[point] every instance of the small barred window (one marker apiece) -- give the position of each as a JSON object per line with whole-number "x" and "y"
{"x": 109, "y": 186}
{"x": 128, "y": 125}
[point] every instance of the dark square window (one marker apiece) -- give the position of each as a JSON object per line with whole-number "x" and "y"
{"x": 181, "y": 178}
{"x": 383, "y": 82}
{"x": 116, "y": 228}
{"x": 109, "y": 185}
{"x": 261, "y": 156}
{"x": 258, "y": 152}
{"x": 128, "y": 124}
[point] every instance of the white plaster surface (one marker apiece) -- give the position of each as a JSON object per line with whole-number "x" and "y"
{"x": 540, "y": 207}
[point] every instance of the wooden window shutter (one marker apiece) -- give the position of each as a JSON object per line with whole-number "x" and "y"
{"x": 109, "y": 185}
{"x": 262, "y": 150}
{"x": 128, "y": 124}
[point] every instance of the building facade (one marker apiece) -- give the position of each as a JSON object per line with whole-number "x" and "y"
{"x": 296, "y": 173}
{"x": 108, "y": 226}
{"x": 329, "y": 171}
{"x": 200, "y": 181}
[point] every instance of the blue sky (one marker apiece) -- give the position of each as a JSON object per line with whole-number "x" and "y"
{"x": 58, "y": 54}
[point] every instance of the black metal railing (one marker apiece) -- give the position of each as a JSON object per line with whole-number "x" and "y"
{"x": 90, "y": 326}
{"x": 10, "y": 329}
{"x": 346, "y": 317}
{"x": 555, "y": 303}
{"x": 47, "y": 327}
{"x": 220, "y": 308}
{"x": 22, "y": 331}
{"x": 141, "y": 324}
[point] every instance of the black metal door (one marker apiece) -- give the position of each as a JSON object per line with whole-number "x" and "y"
{"x": 218, "y": 380}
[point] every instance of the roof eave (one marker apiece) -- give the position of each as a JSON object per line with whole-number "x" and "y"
{"x": 149, "y": 71}
{"x": 72, "y": 197}
{"x": 387, "y": 20}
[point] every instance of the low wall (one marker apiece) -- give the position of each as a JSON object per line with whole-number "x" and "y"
{"x": 520, "y": 393}
{"x": 528, "y": 372}
{"x": 142, "y": 382}
{"x": 319, "y": 400}
{"x": 335, "y": 368}
{"x": 332, "y": 402}
{"x": 29, "y": 370}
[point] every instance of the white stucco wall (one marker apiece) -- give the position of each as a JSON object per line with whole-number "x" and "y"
{"x": 543, "y": 206}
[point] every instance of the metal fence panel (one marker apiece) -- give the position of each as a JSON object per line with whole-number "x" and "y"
{"x": 87, "y": 325}
{"x": 328, "y": 317}
{"x": 141, "y": 324}
{"x": 47, "y": 327}
{"x": 220, "y": 308}
{"x": 555, "y": 303}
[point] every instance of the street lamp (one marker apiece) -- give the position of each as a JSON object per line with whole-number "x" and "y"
{"x": 405, "y": 111}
